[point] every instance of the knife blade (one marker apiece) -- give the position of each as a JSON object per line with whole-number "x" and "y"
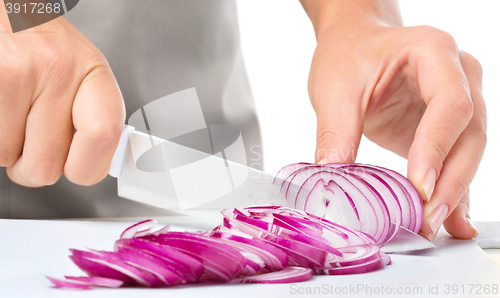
{"x": 186, "y": 180}
{"x": 406, "y": 240}
{"x": 167, "y": 175}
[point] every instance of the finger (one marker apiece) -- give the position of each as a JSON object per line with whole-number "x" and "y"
{"x": 458, "y": 171}
{"x": 15, "y": 102}
{"x": 459, "y": 167}
{"x": 98, "y": 117}
{"x": 446, "y": 92}
{"x": 458, "y": 224}
{"x": 340, "y": 122}
{"x": 48, "y": 136}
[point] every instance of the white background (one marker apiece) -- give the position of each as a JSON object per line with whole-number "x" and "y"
{"x": 278, "y": 43}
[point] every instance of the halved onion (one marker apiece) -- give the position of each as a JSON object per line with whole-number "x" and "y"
{"x": 372, "y": 199}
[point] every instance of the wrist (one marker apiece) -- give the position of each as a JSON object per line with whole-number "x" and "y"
{"x": 345, "y": 17}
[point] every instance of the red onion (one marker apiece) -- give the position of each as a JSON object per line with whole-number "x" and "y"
{"x": 346, "y": 216}
{"x": 356, "y": 196}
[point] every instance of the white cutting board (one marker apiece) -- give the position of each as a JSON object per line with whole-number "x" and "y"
{"x": 30, "y": 249}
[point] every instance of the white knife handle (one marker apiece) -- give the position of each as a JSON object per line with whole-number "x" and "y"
{"x": 117, "y": 162}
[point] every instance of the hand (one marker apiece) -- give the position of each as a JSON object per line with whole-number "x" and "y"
{"x": 61, "y": 110}
{"x": 413, "y": 92}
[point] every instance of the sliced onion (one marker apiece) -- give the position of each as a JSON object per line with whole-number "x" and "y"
{"x": 385, "y": 258}
{"x": 357, "y": 255}
{"x": 85, "y": 282}
{"x": 274, "y": 258}
{"x": 346, "y": 213}
{"x": 221, "y": 262}
{"x": 338, "y": 235}
{"x": 104, "y": 265}
{"x": 251, "y": 267}
{"x": 288, "y": 275}
{"x": 188, "y": 267}
{"x": 354, "y": 269}
{"x": 299, "y": 253}
{"x": 73, "y": 284}
{"x": 151, "y": 264}
{"x": 133, "y": 230}
{"x": 97, "y": 281}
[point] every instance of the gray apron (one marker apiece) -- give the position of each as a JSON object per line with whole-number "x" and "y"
{"x": 155, "y": 48}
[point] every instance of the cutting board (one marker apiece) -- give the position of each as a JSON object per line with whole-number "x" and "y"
{"x": 31, "y": 249}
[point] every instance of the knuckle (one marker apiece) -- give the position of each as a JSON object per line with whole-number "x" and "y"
{"x": 95, "y": 61}
{"x": 460, "y": 104}
{"x": 98, "y": 60}
{"x": 459, "y": 187}
{"x": 483, "y": 139}
{"x": 445, "y": 38}
{"x": 472, "y": 63}
{"x": 464, "y": 107}
{"x": 440, "y": 150}
{"x": 325, "y": 142}
{"x": 464, "y": 204}
{"x": 326, "y": 136}
{"x": 435, "y": 37}
{"x": 478, "y": 127}
{"x": 479, "y": 132}
{"x": 58, "y": 63}
{"x": 335, "y": 146}
{"x": 103, "y": 130}
{"x": 62, "y": 56}
{"x": 424, "y": 29}
{"x": 7, "y": 158}
{"x": 16, "y": 68}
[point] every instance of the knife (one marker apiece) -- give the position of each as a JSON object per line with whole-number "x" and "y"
{"x": 167, "y": 175}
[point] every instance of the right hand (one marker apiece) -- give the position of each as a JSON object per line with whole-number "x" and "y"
{"x": 61, "y": 110}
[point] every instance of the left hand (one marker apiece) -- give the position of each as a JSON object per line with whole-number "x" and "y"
{"x": 413, "y": 92}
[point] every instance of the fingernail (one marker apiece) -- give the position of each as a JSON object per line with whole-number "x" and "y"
{"x": 429, "y": 183}
{"x": 323, "y": 161}
{"x": 471, "y": 225}
{"x": 437, "y": 217}
{"x": 430, "y": 237}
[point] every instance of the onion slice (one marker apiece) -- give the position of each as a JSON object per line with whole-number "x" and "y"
{"x": 85, "y": 282}
{"x": 288, "y": 275}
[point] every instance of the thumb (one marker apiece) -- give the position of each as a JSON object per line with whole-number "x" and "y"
{"x": 339, "y": 129}
{"x": 458, "y": 224}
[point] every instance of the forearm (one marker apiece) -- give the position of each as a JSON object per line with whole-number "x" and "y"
{"x": 346, "y": 14}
